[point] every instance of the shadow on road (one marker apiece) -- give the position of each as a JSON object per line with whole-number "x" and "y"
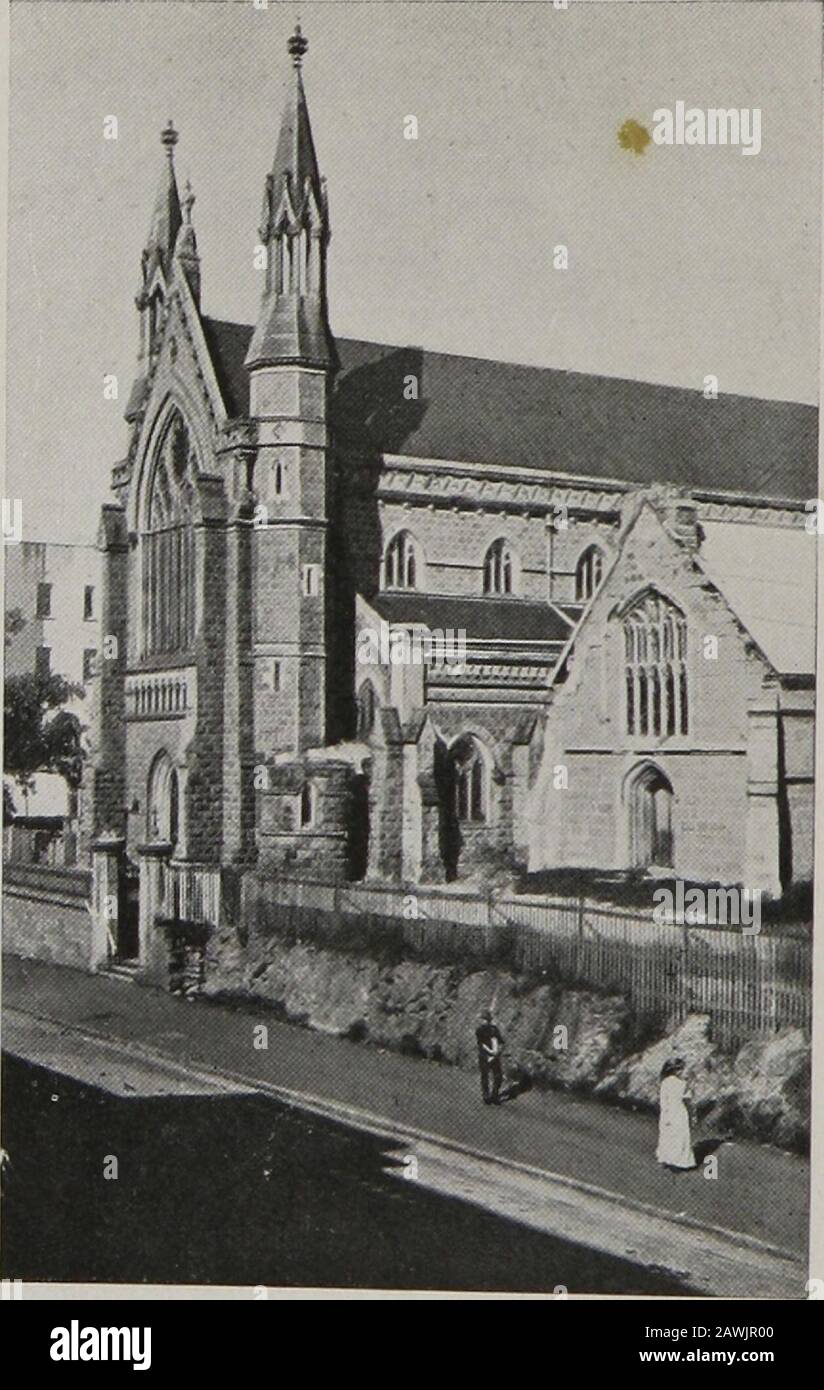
{"x": 244, "y": 1190}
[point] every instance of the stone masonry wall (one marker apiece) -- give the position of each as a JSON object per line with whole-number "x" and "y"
{"x": 586, "y": 822}
{"x": 50, "y": 926}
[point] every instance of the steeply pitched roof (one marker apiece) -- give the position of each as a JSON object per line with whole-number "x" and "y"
{"x": 228, "y": 344}
{"x": 482, "y": 619}
{"x": 767, "y": 576}
{"x": 478, "y": 411}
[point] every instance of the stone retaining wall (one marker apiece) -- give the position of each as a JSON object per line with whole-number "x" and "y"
{"x": 556, "y": 1036}
{"x": 46, "y": 914}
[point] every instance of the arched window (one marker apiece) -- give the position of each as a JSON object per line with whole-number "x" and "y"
{"x": 401, "y": 567}
{"x": 307, "y": 806}
{"x": 163, "y": 801}
{"x": 588, "y": 573}
{"x": 174, "y": 807}
{"x": 367, "y": 710}
{"x": 168, "y": 546}
{"x": 655, "y": 670}
{"x": 471, "y": 790}
{"x": 650, "y": 808}
{"x": 499, "y": 569}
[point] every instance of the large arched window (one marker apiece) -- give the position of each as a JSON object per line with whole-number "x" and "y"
{"x": 168, "y": 546}
{"x": 650, "y": 807}
{"x": 402, "y": 563}
{"x": 499, "y": 569}
{"x": 588, "y": 573}
{"x": 655, "y": 673}
{"x": 471, "y": 781}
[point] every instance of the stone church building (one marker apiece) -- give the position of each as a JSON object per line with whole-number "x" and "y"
{"x": 622, "y": 571}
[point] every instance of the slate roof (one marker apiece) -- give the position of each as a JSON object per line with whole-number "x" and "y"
{"x": 479, "y": 411}
{"x": 482, "y": 619}
{"x": 228, "y": 344}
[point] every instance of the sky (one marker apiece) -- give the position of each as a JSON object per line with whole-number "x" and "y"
{"x": 683, "y": 261}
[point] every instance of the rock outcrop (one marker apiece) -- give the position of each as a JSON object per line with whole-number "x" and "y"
{"x": 763, "y": 1092}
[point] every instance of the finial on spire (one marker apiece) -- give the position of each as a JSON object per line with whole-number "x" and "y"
{"x": 188, "y": 202}
{"x": 169, "y": 138}
{"x": 297, "y": 46}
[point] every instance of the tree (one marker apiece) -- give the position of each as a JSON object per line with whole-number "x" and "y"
{"x": 39, "y": 735}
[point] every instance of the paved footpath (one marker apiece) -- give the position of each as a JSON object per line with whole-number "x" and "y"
{"x": 582, "y": 1168}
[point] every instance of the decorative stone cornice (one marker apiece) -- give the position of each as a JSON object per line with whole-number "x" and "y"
{"x": 753, "y": 512}
{"x": 473, "y": 486}
{"x": 497, "y": 673}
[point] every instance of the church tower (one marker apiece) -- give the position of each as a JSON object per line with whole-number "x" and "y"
{"x": 290, "y": 361}
{"x": 302, "y": 810}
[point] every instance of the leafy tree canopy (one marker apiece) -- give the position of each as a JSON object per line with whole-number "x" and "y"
{"x": 38, "y": 734}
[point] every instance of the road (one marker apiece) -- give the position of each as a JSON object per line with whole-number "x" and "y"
{"x": 567, "y": 1191}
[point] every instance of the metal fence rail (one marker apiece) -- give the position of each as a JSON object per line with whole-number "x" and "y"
{"x": 190, "y": 893}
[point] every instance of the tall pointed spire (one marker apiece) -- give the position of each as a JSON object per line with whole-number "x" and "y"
{"x": 295, "y": 156}
{"x": 166, "y": 217}
{"x": 292, "y": 325}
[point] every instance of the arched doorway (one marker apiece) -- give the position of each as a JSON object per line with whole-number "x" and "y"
{"x": 462, "y": 777}
{"x": 650, "y": 808}
{"x": 163, "y": 802}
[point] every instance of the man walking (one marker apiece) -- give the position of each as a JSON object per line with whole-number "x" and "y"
{"x": 490, "y": 1045}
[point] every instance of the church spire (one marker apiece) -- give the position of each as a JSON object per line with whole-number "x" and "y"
{"x": 166, "y": 217}
{"x": 292, "y": 325}
{"x": 295, "y": 158}
{"x": 158, "y": 252}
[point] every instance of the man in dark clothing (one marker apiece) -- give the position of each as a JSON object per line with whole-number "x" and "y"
{"x": 490, "y": 1045}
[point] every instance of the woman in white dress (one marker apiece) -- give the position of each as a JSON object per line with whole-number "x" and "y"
{"x": 674, "y": 1139}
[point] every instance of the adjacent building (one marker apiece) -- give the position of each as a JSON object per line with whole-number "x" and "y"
{"x": 53, "y": 592}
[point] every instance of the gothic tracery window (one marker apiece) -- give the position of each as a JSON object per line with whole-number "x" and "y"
{"x": 401, "y": 563}
{"x": 655, "y": 674}
{"x": 499, "y": 569}
{"x": 588, "y": 573}
{"x": 168, "y": 548}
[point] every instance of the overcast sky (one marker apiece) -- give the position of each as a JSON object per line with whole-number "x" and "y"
{"x": 683, "y": 261}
